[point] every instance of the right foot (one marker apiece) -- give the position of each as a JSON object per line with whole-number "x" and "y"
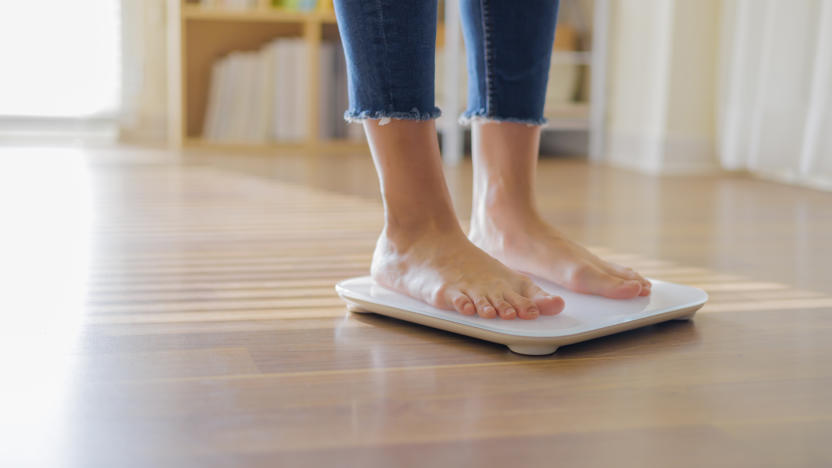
{"x": 447, "y": 271}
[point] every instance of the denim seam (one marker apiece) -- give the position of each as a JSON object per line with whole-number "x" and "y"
{"x": 488, "y": 62}
{"x": 388, "y": 80}
{"x": 482, "y": 115}
{"x": 386, "y": 116}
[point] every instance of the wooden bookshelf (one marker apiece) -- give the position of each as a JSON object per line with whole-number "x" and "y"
{"x": 203, "y": 34}
{"x": 262, "y": 13}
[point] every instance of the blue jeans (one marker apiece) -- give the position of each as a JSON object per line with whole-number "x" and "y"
{"x": 390, "y": 50}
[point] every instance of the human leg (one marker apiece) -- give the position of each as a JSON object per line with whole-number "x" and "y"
{"x": 509, "y": 51}
{"x": 422, "y": 251}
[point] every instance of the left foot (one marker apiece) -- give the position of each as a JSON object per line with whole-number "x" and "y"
{"x": 506, "y": 224}
{"x": 528, "y": 244}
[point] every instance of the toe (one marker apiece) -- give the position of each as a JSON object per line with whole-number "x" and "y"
{"x": 626, "y": 289}
{"x": 462, "y": 303}
{"x": 621, "y": 271}
{"x": 526, "y": 309}
{"x": 484, "y": 307}
{"x": 592, "y": 280}
{"x": 646, "y": 288}
{"x": 547, "y": 303}
{"x": 629, "y": 273}
{"x": 505, "y": 310}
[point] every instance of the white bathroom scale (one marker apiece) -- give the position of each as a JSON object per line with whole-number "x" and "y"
{"x": 585, "y": 317}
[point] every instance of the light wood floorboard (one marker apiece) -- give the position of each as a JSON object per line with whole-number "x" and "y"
{"x": 167, "y": 309}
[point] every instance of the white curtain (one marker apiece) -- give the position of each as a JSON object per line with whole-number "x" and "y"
{"x": 144, "y": 64}
{"x": 59, "y": 59}
{"x": 775, "y": 89}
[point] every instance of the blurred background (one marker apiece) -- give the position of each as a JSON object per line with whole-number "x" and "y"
{"x": 179, "y": 194}
{"x": 653, "y": 85}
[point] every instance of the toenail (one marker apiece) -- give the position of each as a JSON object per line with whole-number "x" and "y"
{"x": 511, "y": 312}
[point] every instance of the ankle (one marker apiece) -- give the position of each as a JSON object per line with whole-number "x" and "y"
{"x": 406, "y": 230}
{"x": 504, "y": 214}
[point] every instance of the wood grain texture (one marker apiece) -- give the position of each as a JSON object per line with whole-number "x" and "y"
{"x": 170, "y": 311}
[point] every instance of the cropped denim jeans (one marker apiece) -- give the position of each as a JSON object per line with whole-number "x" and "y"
{"x": 390, "y": 50}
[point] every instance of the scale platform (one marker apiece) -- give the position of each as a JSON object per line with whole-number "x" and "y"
{"x": 585, "y": 317}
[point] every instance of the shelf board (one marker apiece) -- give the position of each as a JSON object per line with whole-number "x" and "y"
{"x": 570, "y": 57}
{"x": 332, "y": 146}
{"x": 568, "y": 116}
{"x": 342, "y": 146}
{"x": 561, "y": 123}
{"x": 268, "y": 14}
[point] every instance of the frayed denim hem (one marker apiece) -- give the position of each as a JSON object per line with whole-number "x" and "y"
{"x": 385, "y": 117}
{"x": 479, "y": 116}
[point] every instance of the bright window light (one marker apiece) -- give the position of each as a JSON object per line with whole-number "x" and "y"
{"x": 59, "y": 58}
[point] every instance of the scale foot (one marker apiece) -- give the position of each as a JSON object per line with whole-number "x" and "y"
{"x": 356, "y": 309}
{"x": 533, "y": 350}
{"x": 686, "y": 316}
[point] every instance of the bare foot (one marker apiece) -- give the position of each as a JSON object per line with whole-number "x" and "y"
{"x": 528, "y": 244}
{"x": 506, "y": 224}
{"x": 444, "y": 269}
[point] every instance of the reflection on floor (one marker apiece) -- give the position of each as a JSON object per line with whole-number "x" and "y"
{"x": 179, "y": 311}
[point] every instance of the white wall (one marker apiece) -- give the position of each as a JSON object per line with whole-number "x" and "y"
{"x": 690, "y": 113}
{"x": 661, "y": 114}
{"x": 775, "y": 90}
{"x": 734, "y": 84}
{"x": 144, "y": 95}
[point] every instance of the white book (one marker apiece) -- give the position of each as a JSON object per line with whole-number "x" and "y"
{"x": 289, "y": 87}
{"x": 280, "y": 91}
{"x": 234, "y": 114}
{"x": 264, "y": 97}
{"x": 300, "y": 93}
{"x": 246, "y": 80}
{"x": 355, "y": 132}
{"x": 238, "y": 4}
{"x": 209, "y": 125}
{"x": 225, "y": 99}
{"x": 241, "y": 95}
{"x": 287, "y": 109}
{"x": 252, "y": 92}
{"x": 326, "y": 91}
{"x": 294, "y": 89}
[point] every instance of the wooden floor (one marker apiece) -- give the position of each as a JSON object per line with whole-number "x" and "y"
{"x": 178, "y": 310}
